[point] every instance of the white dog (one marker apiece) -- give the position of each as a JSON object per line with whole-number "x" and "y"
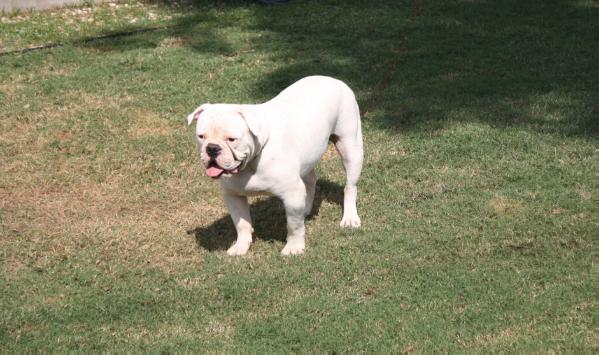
{"x": 274, "y": 148}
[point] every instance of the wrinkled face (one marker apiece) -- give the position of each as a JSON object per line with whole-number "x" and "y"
{"x": 224, "y": 140}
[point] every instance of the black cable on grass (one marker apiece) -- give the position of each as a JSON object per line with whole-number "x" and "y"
{"x": 85, "y": 40}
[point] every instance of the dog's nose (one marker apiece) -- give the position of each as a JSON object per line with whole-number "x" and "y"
{"x": 212, "y": 150}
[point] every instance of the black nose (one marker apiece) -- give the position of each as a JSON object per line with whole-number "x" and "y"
{"x": 212, "y": 150}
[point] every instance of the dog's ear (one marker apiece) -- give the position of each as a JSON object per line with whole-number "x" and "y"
{"x": 196, "y": 114}
{"x": 252, "y": 119}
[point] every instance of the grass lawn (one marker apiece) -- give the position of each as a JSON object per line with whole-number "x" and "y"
{"x": 479, "y": 194}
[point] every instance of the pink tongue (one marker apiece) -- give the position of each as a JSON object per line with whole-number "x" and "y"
{"x": 214, "y": 171}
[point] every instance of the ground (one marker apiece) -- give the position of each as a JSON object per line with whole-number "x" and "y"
{"x": 478, "y": 197}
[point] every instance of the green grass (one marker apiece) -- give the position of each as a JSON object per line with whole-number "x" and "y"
{"x": 478, "y": 196}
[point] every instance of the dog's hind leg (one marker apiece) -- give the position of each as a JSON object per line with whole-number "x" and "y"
{"x": 348, "y": 141}
{"x": 351, "y": 155}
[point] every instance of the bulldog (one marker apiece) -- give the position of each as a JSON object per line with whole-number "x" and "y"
{"x": 274, "y": 148}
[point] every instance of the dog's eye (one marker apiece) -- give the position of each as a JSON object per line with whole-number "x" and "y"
{"x": 200, "y": 136}
{"x": 231, "y": 139}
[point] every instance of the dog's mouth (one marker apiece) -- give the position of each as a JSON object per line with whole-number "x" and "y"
{"x": 215, "y": 171}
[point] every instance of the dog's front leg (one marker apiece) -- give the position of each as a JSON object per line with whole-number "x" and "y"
{"x": 294, "y": 200}
{"x": 240, "y": 213}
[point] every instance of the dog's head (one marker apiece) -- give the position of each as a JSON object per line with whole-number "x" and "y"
{"x": 225, "y": 138}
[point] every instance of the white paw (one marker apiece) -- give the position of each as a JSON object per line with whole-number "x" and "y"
{"x": 239, "y": 248}
{"x": 350, "y": 221}
{"x": 293, "y": 250}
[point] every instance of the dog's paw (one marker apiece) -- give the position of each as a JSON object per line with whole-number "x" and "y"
{"x": 293, "y": 250}
{"x": 239, "y": 248}
{"x": 351, "y": 221}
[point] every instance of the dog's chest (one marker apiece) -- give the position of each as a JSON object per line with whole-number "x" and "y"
{"x": 247, "y": 183}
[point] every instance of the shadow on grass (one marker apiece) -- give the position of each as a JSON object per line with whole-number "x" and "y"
{"x": 268, "y": 219}
{"x": 526, "y": 64}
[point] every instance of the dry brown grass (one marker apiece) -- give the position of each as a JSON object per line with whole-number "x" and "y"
{"x": 28, "y": 142}
{"x": 171, "y": 42}
{"x": 503, "y": 337}
{"x": 10, "y": 89}
{"x": 106, "y": 217}
{"x": 584, "y": 193}
{"x": 505, "y": 206}
{"x": 145, "y": 123}
{"x": 60, "y": 208}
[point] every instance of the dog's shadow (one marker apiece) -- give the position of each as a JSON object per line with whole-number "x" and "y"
{"x": 268, "y": 219}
